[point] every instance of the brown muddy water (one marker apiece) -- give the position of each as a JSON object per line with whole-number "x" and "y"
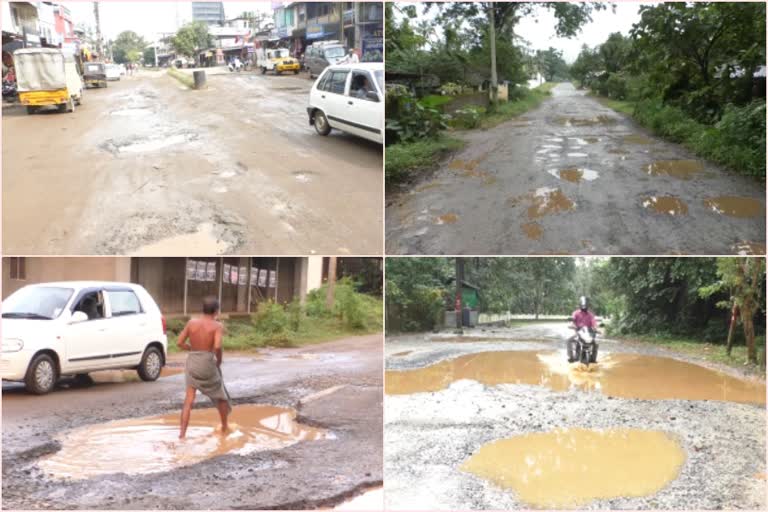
{"x": 681, "y": 169}
{"x": 637, "y": 139}
{"x": 735, "y": 206}
{"x": 566, "y": 468}
{"x": 544, "y": 201}
{"x": 151, "y": 444}
{"x": 668, "y": 205}
{"x": 574, "y": 174}
{"x": 616, "y": 375}
{"x": 532, "y": 230}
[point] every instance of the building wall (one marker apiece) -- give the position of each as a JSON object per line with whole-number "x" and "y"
{"x": 43, "y": 270}
{"x": 208, "y": 12}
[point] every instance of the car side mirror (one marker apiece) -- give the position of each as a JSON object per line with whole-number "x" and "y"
{"x": 77, "y": 317}
{"x": 373, "y": 96}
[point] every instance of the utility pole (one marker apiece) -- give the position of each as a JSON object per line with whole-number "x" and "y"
{"x": 492, "y": 36}
{"x": 459, "y": 305}
{"x": 98, "y": 29}
{"x": 329, "y": 299}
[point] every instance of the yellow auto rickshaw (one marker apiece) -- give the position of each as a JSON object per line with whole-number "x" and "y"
{"x": 47, "y": 77}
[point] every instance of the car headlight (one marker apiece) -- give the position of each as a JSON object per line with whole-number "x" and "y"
{"x": 12, "y": 345}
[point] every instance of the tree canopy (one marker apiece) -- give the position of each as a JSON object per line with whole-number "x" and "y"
{"x": 191, "y": 39}
{"x": 128, "y": 47}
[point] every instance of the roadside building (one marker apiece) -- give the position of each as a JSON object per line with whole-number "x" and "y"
{"x": 64, "y": 25}
{"x": 211, "y": 13}
{"x": 180, "y": 284}
{"x": 20, "y": 26}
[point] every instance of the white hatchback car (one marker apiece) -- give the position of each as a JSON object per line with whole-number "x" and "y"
{"x": 350, "y": 98}
{"x": 113, "y": 72}
{"x": 76, "y": 327}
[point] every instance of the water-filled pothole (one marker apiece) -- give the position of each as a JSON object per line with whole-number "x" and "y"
{"x": 589, "y": 121}
{"x": 668, "y": 205}
{"x": 681, "y": 169}
{"x": 735, "y": 206}
{"x": 616, "y": 375}
{"x": 151, "y": 444}
{"x": 532, "y": 230}
{"x": 574, "y": 174}
{"x": 749, "y": 248}
{"x": 637, "y": 139}
{"x": 571, "y": 467}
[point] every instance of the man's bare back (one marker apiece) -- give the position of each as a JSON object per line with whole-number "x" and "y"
{"x": 202, "y": 335}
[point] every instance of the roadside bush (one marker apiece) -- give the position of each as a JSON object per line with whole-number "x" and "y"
{"x": 407, "y": 120}
{"x": 466, "y": 118}
{"x": 174, "y": 326}
{"x": 272, "y": 322}
{"x": 452, "y": 89}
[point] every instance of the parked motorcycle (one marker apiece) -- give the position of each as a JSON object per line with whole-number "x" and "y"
{"x": 235, "y": 66}
{"x": 585, "y": 349}
{"x": 9, "y": 89}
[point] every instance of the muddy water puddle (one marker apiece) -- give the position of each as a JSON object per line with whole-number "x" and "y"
{"x": 202, "y": 241}
{"x": 447, "y": 218}
{"x": 585, "y": 121}
{"x": 532, "y": 230}
{"x": 574, "y": 174}
{"x": 566, "y": 468}
{"x": 735, "y": 206}
{"x": 667, "y": 205}
{"x": 151, "y": 444}
{"x": 681, "y": 169}
{"x": 616, "y": 375}
{"x": 548, "y": 201}
{"x": 114, "y": 376}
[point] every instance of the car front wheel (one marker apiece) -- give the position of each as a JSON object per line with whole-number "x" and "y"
{"x": 321, "y": 123}
{"x": 42, "y": 375}
{"x": 151, "y": 364}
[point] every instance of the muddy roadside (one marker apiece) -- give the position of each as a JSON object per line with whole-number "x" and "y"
{"x": 723, "y": 442}
{"x": 338, "y": 391}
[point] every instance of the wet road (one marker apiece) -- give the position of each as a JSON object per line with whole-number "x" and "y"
{"x": 149, "y": 167}
{"x": 438, "y": 432}
{"x": 334, "y": 386}
{"x": 575, "y": 177}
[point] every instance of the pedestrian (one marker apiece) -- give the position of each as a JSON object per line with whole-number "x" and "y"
{"x": 352, "y": 57}
{"x": 202, "y": 338}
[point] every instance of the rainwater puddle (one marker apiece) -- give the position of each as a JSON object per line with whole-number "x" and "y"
{"x": 749, "y": 249}
{"x": 637, "y": 139}
{"x": 589, "y": 121}
{"x": 668, "y": 205}
{"x": 113, "y": 376}
{"x": 448, "y": 218}
{"x": 203, "y": 241}
{"x": 617, "y": 375}
{"x": 735, "y": 206}
{"x": 463, "y": 165}
{"x": 151, "y": 444}
{"x": 369, "y": 500}
{"x": 682, "y": 169}
{"x": 574, "y": 174}
{"x": 565, "y": 468}
{"x": 547, "y": 201}
{"x": 532, "y": 230}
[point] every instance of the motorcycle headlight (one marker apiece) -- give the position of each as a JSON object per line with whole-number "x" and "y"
{"x": 12, "y": 345}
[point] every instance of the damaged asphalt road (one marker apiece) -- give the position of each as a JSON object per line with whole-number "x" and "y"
{"x": 149, "y": 167}
{"x": 335, "y": 386}
{"x": 574, "y": 177}
{"x": 428, "y": 436}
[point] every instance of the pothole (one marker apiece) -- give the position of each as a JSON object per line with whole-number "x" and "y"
{"x": 131, "y": 112}
{"x": 403, "y": 353}
{"x": 147, "y": 144}
{"x": 637, "y": 139}
{"x": 589, "y": 121}
{"x": 735, "y": 206}
{"x": 532, "y": 230}
{"x": 202, "y": 241}
{"x": 447, "y": 218}
{"x": 667, "y": 205}
{"x": 616, "y": 375}
{"x": 572, "y": 467}
{"x": 749, "y": 249}
{"x": 681, "y": 169}
{"x": 151, "y": 444}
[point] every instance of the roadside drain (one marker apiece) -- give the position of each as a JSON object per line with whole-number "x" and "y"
{"x": 735, "y": 206}
{"x": 681, "y": 169}
{"x": 572, "y": 467}
{"x": 668, "y": 205}
{"x": 616, "y": 375}
{"x": 151, "y": 444}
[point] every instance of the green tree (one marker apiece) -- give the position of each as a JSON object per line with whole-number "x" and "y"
{"x": 128, "y": 47}
{"x": 192, "y": 39}
{"x": 149, "y": 55}
{"x": 551, "y": 64}
{"x": 586, "y": 66}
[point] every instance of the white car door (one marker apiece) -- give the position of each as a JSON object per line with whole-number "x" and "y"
{"x": 87, "y": 343}
{"x": 332, "y": 96}
{"x": 363, "y": 112}
{"x": 128, "y": 327}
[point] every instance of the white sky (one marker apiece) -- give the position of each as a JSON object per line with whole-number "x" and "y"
{"x": 539, "y": 28}
{"x": 149, "y": 18}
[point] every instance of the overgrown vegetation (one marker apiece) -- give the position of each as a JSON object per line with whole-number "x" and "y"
{"x": 181, "y": 77}
{"x": 693, "y": 73}
{"x": 296, "y": 324}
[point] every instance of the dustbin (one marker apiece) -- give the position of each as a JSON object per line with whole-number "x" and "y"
{"x": 199, "y": 77}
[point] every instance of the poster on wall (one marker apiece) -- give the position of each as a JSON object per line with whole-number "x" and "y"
{"x": 210, "y": 274}
{"x": 263, "y": 278}
{"x": 373, "y": 46}
{"x": 225, "y": 274}
{"x": 191, "y": 268}
{"x": 242, "y": 278}
{"x": 200, "y": 271}
{"x": 233, "y": 274}
{"x": 254, "y": 276}
{"x": 272, "y": 278}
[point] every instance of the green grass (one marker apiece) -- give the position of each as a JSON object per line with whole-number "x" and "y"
{"x": 405, "y": 161}
{"x": 435, "y": 100}
{"x": 181, "y": 77}
{"x": 711, "y": 352}
{"x": 623, "y": 106}
{"x": 508, "y": 110}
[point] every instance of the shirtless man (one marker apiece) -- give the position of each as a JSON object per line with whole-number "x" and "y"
{"x": 202, "y": 338}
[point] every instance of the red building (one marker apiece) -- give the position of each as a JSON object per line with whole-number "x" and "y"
{"x": 64, "y": 25}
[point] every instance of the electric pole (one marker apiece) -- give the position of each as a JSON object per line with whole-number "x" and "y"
{"x": 98, "y": 29}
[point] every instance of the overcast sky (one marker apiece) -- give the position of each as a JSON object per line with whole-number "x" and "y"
{"x": 538, "y": 28}
{"x": 149, "y": 18}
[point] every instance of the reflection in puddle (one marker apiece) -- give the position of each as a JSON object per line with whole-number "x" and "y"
{"x": 617, "y": 375}
{"x": 571, "y": 467}
{"x": 203, "y": 241}
{"x": 735, "y": 206}
{"x": 532, "y": 230}
{"x": 574, "y": 174}
{"x": 668, "y": 205}
{"x": 682, "y": 169}
{"x": 637, "y": 139}
{"x": 447, "y": 218}
{"x": 151, "y": 444}
{"x": 749, "y": 249}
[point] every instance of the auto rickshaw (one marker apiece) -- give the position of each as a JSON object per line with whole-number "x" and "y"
{"x": 95, "y": 74}
{"x": 47, "y": 77}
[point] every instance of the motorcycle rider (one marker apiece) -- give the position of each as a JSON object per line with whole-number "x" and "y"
{"x": 582, "y": 317}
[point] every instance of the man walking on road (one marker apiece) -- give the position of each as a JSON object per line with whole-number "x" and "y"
{"x": 202, "y": 338}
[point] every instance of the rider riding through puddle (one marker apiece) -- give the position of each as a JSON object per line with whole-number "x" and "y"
{"x": 582, "y": 318}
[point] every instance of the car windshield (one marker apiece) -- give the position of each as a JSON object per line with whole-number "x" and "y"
{"x": 335, "y": 52}
{"x": 379, "y": 76}
{"x": 37, "y": 302}
{"x": 280, "y": 54}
